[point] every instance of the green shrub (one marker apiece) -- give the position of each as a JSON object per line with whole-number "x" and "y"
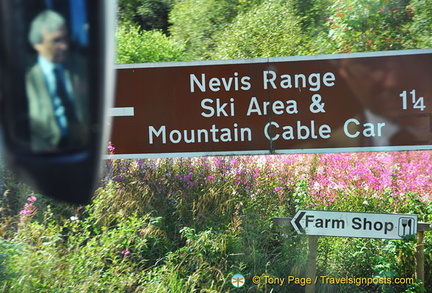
{"x": 190, "y": 224}
{"x": 136, "y": 46}
{"x": 353, "y": 26}
{"x": 267, "y": 30}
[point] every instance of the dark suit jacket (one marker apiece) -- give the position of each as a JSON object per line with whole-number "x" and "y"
{"x": 45, "y": 133}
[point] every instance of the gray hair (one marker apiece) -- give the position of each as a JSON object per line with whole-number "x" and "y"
{"x": 47, "y": 21}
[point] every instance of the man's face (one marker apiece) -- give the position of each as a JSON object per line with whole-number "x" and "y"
{"x": 54, "y": 46}
{"x": 374, "y": 87}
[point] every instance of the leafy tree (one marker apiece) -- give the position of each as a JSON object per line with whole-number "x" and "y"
{"x": 148, "y": 14}
{"x": 245, "y": 5}
{"x": 421, "y": 27}
{"x": 267, "y": 30}
{"x": 136, "y": 46}
{"x": 195, "y": 22}
{"x": 313, "y": 14}
{"x": 369, "y": 25}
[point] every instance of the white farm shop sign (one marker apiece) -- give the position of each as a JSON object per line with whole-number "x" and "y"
{"x": 350, "y": 224}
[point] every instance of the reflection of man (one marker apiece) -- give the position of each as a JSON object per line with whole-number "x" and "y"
{"x": 55, "y": 93}
{"x": 376, "y": 86}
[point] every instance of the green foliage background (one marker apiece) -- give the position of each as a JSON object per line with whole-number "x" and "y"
{"x": 190, "y": 224}
{"x": 227, "y": 29}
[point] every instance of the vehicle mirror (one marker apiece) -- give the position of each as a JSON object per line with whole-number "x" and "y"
{"x": 57, "y": 79}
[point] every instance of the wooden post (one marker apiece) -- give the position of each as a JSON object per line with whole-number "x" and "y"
{"x": 284, "y": 223}
{"x": 311, "y": 263}
{"x": 419, "y": 251}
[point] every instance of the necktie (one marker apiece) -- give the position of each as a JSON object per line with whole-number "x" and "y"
{"x": 62, "y": 105}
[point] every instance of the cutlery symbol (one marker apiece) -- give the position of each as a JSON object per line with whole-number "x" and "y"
{"x": 404, "y": 224}
{"x": 409, "y": 226}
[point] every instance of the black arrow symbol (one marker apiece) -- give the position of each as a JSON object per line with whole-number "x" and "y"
{"x": 296, "y": 222}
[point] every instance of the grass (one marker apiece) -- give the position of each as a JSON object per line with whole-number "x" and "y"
{"x": 190, "y": 224}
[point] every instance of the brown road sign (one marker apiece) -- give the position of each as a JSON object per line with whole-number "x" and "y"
{"x": 330, "y": 103}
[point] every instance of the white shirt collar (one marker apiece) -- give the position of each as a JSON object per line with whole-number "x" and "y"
{"x": 47, "y": 66}
{"x": 48, "y": 71}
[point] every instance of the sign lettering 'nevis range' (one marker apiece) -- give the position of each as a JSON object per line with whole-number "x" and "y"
{"x": 349, "y": 224}
{"x": 334, "y": 103}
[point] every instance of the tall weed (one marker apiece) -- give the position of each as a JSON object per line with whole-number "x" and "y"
{"x": 190, "y": 224}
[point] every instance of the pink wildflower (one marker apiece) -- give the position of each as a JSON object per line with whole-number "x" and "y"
{"x": 32, "y": 198}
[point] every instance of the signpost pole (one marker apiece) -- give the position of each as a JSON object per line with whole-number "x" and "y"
{"x": 419, "y": 251}
{"x": 311, "y": 263}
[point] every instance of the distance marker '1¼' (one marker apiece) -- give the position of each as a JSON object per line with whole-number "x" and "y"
{"x": 417, "y": 103}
